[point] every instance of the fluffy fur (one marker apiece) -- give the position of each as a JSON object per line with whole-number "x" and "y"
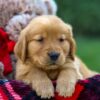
{"x": 43, "y": 35}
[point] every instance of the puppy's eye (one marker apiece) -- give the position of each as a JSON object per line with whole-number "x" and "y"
{"x": 40, "y": 39}
{"x": 61, "y": 39}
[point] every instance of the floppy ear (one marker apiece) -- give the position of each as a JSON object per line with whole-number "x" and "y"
{"x": 72, "y": 49}
{"x": 71, "y": 41}
{"x": 20, "y": 48}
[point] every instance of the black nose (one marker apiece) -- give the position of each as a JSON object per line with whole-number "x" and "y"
{"x": 53, "y": 56}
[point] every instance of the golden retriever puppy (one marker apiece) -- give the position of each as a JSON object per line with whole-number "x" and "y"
{"x": 45, "y": 52}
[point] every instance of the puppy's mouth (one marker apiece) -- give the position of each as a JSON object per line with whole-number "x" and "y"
{"x": 53, "y": 65}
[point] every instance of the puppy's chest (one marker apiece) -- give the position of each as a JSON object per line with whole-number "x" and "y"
{"x": 53, "y": 74}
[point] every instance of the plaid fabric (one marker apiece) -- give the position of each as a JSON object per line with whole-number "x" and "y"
{"x": 88, "y": 89}
{"x": 91, "y": 89}
{"x": 15, "y": 90}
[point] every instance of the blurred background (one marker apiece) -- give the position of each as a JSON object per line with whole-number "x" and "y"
{"x": 84, "y": 16}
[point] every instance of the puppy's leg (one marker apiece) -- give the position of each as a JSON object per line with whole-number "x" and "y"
{"x": 36, "y": 78}
{"x": 42, "y": 84}
{"x": 66, "y": 81}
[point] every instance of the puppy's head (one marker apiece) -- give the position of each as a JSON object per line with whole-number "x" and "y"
{"x": 47, "y": 42}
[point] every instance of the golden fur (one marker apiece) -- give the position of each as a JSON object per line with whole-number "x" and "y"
{"x": 45, "y": 34}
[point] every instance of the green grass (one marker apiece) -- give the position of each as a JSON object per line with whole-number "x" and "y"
{"x": 89, "y": 51}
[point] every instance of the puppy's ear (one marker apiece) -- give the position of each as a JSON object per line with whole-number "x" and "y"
{"x": 72, "y": 49}
{"x": 20, "y": 48}
{"x": 71, "y": 41}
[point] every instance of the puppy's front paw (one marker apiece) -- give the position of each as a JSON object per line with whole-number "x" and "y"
{"x": 65, "y": 89}
{"x": 44, "y": 89}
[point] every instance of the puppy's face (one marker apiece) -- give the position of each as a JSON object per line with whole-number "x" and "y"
{"x": 48, "y": 50}
{"x": 47, "y": 42}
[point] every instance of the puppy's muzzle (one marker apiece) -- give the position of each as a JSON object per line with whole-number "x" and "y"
{"x": 53, "y": 56}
